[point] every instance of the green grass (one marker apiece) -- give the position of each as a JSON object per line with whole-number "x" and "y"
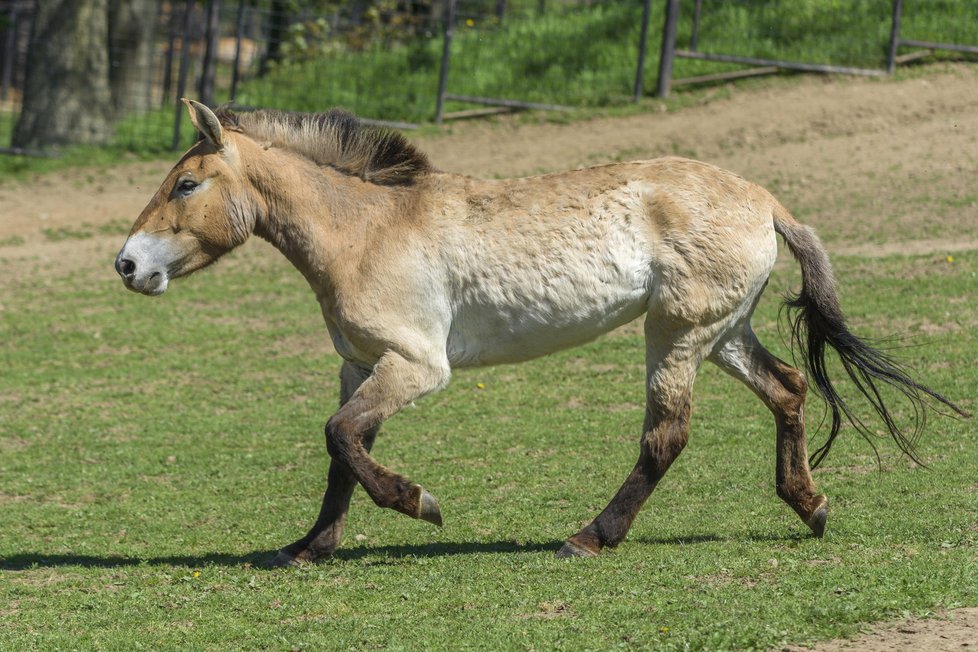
{"x": 19, "y": 168}
{"x": 85, "y": 231}
{"x": 586, "y": 56}
{"x": 155, "y": 452}
{"x": 138, "y": 137}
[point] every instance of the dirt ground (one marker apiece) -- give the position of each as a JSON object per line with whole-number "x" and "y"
{"x": 953, "y": 632}
{"x": 877, "y": 166}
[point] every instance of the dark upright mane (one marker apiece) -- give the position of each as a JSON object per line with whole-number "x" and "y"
{"x": 336, "y": 138}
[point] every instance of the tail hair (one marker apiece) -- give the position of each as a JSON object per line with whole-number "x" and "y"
{"x": 817, "y": 324}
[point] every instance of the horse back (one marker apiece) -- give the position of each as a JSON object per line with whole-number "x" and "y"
{"x": 541, "y": 263}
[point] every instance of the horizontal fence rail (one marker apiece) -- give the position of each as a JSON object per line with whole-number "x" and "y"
{"x": 404, "y": 64}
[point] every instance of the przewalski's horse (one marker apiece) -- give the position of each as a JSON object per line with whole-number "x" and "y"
{"x": 419, "y": 272}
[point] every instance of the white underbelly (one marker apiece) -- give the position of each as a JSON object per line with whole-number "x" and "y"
{"x": 531, "y": 311}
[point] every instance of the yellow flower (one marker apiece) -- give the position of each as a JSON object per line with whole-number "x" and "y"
{"x": 469, "y": 22}
{"x": 950, "y": 259}
{"x": 480, "y": 385}
{"x": 196, "y": 573}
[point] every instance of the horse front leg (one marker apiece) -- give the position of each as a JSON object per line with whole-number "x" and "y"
{"x": 324, "y": 538}
{"x": 393, "y": 383}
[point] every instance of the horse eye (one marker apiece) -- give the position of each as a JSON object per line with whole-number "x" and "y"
{"x": 186, "y": 186}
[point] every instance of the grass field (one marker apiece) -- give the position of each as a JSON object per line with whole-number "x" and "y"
{"x": 156, "y": 452}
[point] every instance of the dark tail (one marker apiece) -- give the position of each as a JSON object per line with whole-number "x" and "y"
{"x": 817, "y": 321}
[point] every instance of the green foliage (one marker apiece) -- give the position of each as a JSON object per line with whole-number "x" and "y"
{"x": 586, "y": 57}
{"x": 155, "y": 452}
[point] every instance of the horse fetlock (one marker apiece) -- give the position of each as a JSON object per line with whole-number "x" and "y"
{"x": 796, "y": 490}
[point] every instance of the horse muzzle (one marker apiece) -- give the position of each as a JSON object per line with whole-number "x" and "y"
{"x": 142, "y": 264}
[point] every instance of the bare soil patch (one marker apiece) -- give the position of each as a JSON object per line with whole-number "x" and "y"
{"x": 953, "y": 632}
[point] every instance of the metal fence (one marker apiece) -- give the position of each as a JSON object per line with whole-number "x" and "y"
{"x": 759, "y": 38}
{"x": 432, "y": 60}
{"x": 521, "y": 55}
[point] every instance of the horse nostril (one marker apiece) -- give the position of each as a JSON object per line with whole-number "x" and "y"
{"x": 125, "y": 267}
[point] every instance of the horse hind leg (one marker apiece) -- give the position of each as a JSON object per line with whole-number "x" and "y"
{"x": 783, "y": 389}
{"x": 670, "y": 372}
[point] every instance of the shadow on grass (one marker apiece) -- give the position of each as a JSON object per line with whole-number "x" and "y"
{"x": 373, "y": 555}
{"x": 693, "y": 539}
{"x": 260, "y": 558}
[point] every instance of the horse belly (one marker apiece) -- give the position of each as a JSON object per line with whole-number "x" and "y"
{"x": 538, "y": 307}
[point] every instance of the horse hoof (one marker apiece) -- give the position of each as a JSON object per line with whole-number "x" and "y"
{"x": 573, "y": 550}
{"x": 817, "y": 520}
{"x": 284, "y": 560}
{"x": 428, "y": 508}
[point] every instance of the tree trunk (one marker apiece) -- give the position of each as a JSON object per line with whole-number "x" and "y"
{"x": 131, "y": 29}
{"x": 66, "y": 93}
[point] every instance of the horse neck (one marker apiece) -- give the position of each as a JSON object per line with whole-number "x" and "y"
{"x": 319, "y": 218}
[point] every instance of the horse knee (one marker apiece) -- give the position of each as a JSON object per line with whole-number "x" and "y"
{"x": 795, "y": 382}
{"x": 338, "y": 440}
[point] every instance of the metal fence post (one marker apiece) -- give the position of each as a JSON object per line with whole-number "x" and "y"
{"x": 894, "y": 36}
{"x": 171, "y": 37}
{"x": 238, "y": 37}
{"x": 669, "y": 26}
{"x": 208, "y": 74}
{"x": 188, "y": 24}
{"x": 694, "y": 39}
{"x": 642, "y": 46}
{"x": 446, "y": 54}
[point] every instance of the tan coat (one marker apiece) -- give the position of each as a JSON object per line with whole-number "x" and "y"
{"x": 419, "y": 272}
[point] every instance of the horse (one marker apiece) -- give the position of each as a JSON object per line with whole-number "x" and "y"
{"x": 420, "y": 271}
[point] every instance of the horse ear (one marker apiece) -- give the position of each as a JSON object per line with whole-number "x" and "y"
{"x": 206, "y": 122}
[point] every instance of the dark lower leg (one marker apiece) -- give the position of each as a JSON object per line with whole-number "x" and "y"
{"x": 385, "y": 488}
{"x": 793, "y": 479}
{"x": 784, "y": 388}
{"x": 393, "y": 382}
{"x": 666, "y": 433}
{"x": 324, "y": 537}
